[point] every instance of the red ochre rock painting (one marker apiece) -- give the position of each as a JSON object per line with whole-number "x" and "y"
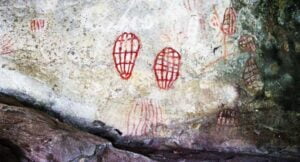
{"x": 6, "y": 44}
{"x": 143, "y": 118}
{"x": 125, "y": 52}
{"x": 227, "y": 117}
{"x": 166, "y": 67}
{"x": 37, "y": 25}
{"x": 251, "y": 76}
{"x": 247, "y": 43}
{"x": 228, "y": 26}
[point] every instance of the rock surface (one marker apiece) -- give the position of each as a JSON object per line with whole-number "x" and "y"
{"x": 232, "y": 86}
{"x": 37, "y": 137}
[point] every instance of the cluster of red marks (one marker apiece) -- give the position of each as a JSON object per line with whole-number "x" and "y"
{"x": 202, "y": 23}
{"x": 190, "y": 4}
{"x": 166, "y": 67}
{"x": 37, "y": 25}
{"x": 215, "y": 20}
{"x": 227, "y": 117}
{"x": 6, "y": 45}
{"x": 228, "y": 26}
{"x": 247, "y": 43}
{"x": 125, "y": 52}
{"x": 251, "y": 75}
{"x": 143, "y": 118}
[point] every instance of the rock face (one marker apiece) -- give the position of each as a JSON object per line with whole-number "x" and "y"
{"x": 220, "y": 76}
{"x": 38, "y": 137}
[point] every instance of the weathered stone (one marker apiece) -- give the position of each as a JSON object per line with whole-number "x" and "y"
{"x": 42, "y": 138}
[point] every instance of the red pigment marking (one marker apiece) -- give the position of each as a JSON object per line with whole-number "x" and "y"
{"x": 143, "y": 118}
{"x": 247, "y": 43}
{"x": 166, "y": 67}
{"x": 228, "y": 26}
{"x": 251, "y": 75}
{"x": 227, "y": 117}
{"x": 202, "y": 23}
{"x": 125, "y": 52}
{"x": 6, "y": 45}
{"x": 37, "y": 25}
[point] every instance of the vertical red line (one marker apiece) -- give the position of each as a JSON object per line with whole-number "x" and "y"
{"x": 37, "y": 24}
{"x": 128, "y": 120}
{"x": 151, "y": 118}
{"x": 140, "y": 119}
{"x": 145, "y": 126}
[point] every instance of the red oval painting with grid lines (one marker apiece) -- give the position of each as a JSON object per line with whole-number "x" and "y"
{"x": 144, "y": 117}
{"x": 125, "y": 52}
{"x": 228, "y": 25}
{"x": 166, "y": 67}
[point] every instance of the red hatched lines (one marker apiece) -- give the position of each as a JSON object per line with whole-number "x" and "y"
{"x": 37, "y": 25}
{"x": 227, "y": 117}
{"x": 6, "y": 45}
{"x": 125, "y": 52}
{"x": 251, "y": 76}
{"x": 228, "y": 26}
{"x": 247, "y": 43}
{"x": 143, "y": 118}
{"x": 166, "y": 67}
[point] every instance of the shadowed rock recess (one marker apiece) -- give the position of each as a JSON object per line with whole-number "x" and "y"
{"x": 140, "y": 80}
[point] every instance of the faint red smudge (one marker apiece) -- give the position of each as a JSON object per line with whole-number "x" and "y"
{"x": 125, "y": 53}
{"x": 166, "y": 67}
{"x": 247, "y": 43}
{"x": 6, "y": 45}
{"x": 37, "y": 25}
{"x": 143, "y": 118}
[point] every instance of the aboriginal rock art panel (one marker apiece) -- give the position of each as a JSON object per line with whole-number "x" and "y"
{"x": 144, "y": 117}
{"x": 6, "y": 45}
{"x": 166, "y": 67}
{"x": 37, "y": 25}
{"x": 247, "y": 43}
{"x": 125, "y": 52}
{"x": 251, "y": 76}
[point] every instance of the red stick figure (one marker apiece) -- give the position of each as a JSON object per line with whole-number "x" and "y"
{"x": 166, "y": 67}
{"x": 6, "y": 45}
{"x": 125, "y": 52}
{"x": 37, "y": 25}
{"x": 247, "y": 43}
{"x": 251, "y": 76}
{"x": 143, "y": 118}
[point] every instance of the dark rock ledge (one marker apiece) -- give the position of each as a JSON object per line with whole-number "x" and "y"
{"x": 28, "y": 134}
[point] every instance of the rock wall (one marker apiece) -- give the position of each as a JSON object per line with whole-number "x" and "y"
{"x": 210, "y": 74}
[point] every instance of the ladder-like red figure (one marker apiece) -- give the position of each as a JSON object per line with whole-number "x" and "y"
{"x": 125, "y": 53}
